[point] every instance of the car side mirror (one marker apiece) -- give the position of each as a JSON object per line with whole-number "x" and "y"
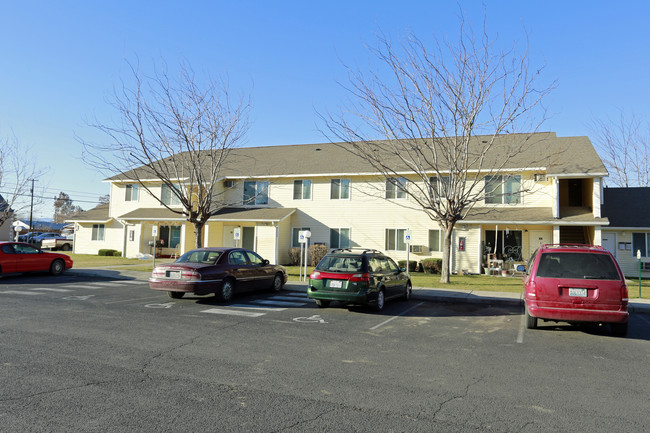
{"x": 265, "y": 262}
{"x": 402, "y": 270}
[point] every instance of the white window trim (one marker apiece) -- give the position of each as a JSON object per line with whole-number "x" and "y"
{"x": 349, "y": 188}
{"x": 311, "y": 190}
{"x": 397, "y": 188}
{"x": 339, "y": 229}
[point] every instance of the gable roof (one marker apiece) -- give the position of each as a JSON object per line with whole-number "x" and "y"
{"x": 98, "y": 214}
{"x": 626, "y": 207}
{"x": 559, "y": 156}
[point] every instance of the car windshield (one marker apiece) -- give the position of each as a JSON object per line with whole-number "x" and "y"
{"x": 200, "y": 256}
{"x": 582, "y": 266}
{"x": 340, "y": 264}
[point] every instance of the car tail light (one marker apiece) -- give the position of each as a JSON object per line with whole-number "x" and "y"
{"x": 190, "y": 275}
{"x": 157, "y": 272}
{"x": 364, "y": 278}
{"x": 315, "y": 275}
{"x": 532, "y": 289}
{"x": 624, "y": 294}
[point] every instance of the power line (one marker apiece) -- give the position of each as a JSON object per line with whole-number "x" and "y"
{"x": 48, "y": 197}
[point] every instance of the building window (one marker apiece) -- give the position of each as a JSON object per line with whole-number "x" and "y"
{"x": 169, "y": 197}
{"x": 641, "y": 242}
{"x": 131, "y": 235}
{"x": 503, "y": 189}
{"x": 294, "y": 236}
{"x": 395, "y": 240}
{"x": 132, "y": 192}
{"x": 302, "y": 189}
{"x": 256, "y": 192}
{"x": 506, "y": 244}
{"x": 340, "y": 189}
{"x": 396, "y": 188}
{"x": 339, "y": 238}
{"x": 170, "y": 236}
{"x": 434, "y": 240}
{"x": 98, "y": 232}
{"x": 439, "y": 187}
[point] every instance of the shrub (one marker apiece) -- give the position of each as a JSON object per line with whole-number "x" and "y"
{"x": 432, "y": 266}
{"x": 316, "y": 253}
{"x": 105, "y": 252}
{"x": 117, "y": 253}
{"x": 294, "y": 256}
{"x": 413, "y": 265}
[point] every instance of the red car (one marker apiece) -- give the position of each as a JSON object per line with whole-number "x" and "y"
{"x": 575, "y": 284}
{"x": 222, "y": 271}
{"x": 21, "y": 257}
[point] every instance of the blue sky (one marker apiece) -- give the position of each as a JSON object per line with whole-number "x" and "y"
{"x": 61, "y": 59}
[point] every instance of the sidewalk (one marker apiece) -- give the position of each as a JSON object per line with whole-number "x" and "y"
{"x": 635, "y": 305}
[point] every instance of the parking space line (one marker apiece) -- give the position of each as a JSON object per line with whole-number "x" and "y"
{"x": 522, "y": 327}
{"x": 131, "y": 300}
{"x": 395, "y": 317}
{"x": 133, "y": 282}
{"x": 233, "y": 312}
{"x": 106, "y": 284}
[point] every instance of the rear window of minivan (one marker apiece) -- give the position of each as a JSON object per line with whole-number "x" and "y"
{"x": 581, "y": 266}
{"x": 340, "y": 264}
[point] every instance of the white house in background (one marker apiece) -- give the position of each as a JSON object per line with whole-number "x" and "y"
{"x": 552, "y": 193}
{"x": 6, "y": 229}
{"x": 628, "y": 233}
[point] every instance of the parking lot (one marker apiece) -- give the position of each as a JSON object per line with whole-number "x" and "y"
{"x": 90, "y": 354}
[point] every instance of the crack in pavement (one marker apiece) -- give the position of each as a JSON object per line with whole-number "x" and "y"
{"x": 54, "y": 391}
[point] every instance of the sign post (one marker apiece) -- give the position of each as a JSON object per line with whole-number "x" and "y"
{"x": 236, "y": 234}
{"x": 303, "y": 239}
{"x": 407, "y": 241}
{"x": 638, "y": 256}
{"x": 154, "y": 233}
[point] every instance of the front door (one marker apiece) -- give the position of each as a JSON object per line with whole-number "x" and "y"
{"x": 248, "y": 238}
{"x": 609, "y": 242}
{"x": 229, "y": 237}
{"x": 537, "y": 238}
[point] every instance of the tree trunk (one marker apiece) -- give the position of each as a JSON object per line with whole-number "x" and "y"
{"x": 446, "y": 254}
{"x": 198, "y": 231}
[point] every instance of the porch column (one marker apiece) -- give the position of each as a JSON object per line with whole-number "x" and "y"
{"x": 556, "y": 234}
{"x": 598, "y": 235}
{"x": 596, "y": 199}
{"x": 556, "y": 198}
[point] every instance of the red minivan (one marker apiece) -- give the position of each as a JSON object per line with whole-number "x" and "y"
{"x": 576, "y": 284}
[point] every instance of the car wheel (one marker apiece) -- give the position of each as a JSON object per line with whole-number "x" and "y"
{"x": 227, "y": 290}
{"x": 176, "y": 295}
{"x": 381, "y": 300}
{"x": 57, "y": 267}
{"x": 407, "y": 293}
{"x": 619, "y": 329}
{"x": 278, "y": 282}
{"x": 65, "y": 247}
{"x": 321, "y": 303}
{"x": 531, "y": 322}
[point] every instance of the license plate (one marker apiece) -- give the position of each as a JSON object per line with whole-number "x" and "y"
{"x": 578, "y": 292}
{"x": 176, "y": 275}
{"x": 336, "y": 284}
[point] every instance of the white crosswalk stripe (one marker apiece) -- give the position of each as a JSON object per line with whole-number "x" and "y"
{"x": 47, "y": 289}
{"x": 134, "y": 282}
{"x": 278, "y": 303}
{"x": 232, "y": 312}
{"x": 257, "y": 307}
{"x": 106, "y": 284}
{"x": 286, "y": 298}
{"x": 18, "y": 292}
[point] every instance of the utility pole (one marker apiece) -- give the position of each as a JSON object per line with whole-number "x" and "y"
{"x": 31, "y": 208}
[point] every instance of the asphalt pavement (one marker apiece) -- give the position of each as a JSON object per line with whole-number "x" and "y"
{"x": 635, "y": 305}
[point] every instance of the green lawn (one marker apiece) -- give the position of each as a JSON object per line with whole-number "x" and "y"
{"x": 419, "y": 279}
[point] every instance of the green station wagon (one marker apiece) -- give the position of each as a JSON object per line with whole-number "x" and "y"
{"x": 358, "y": 276}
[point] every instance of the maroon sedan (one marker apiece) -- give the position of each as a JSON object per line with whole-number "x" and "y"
{"x": 20, "y": 257}
{"x": 222, "y": 271}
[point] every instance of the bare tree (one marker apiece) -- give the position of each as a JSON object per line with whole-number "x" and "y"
{"x": 429, "y": 106}
{"x": 624, "y": 145}
{"x": 175, "y": 131}
{"x": 63, "y": 208}
{"x": 104, "y": 199}
{"x": 18, "y": 167}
